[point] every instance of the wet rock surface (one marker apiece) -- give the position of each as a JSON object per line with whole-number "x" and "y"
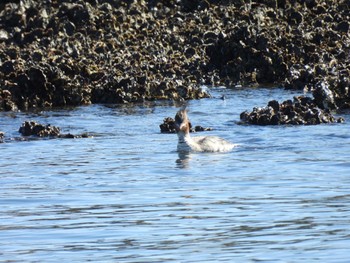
{"x": 32, "y": 129}
{"x": 168, "y": 126}
{"x": 301, "y": 111}
{"x": 55, "y": 53}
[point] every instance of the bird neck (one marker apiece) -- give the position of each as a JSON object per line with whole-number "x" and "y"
{"x": 184, "y": 132}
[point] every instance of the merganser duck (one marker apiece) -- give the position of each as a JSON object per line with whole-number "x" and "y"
{"x": 200, "y": 143}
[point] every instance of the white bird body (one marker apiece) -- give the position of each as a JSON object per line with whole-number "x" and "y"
{"x": 200, "y": 143}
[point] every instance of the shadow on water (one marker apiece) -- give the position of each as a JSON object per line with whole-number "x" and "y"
{"x": 183, "y": 162}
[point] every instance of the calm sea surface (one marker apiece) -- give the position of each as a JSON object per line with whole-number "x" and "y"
{"x": 126, "y": 195}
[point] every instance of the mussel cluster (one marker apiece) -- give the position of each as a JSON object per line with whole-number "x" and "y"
{"x": 295, "y": 43}
{"x": 299, "y": 111}
{"x": 74, "y": 52}
{"x": 57, "y": 53}
{"x": 30, "y": 128}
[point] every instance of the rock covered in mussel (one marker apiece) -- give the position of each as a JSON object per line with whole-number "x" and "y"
{"x": 75, "y": 52}
{"x": 168, "y": 126}
{"x": 301, "y": 111}
{"x": 324, "y": 96}
{"x": 32, "y": 128}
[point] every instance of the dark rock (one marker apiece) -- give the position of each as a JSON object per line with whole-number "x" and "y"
{"x": 263, "y": 119}
{"x": 8, "y": 67}
{"x": 37, "y": 56}
{"x": 302, "y": 110}
{"x": 6, "y": 101}
{"x": 305, "y": 101}
{"x": 320, "y": 9}
{"x": 343, "y": 27}
{"x": 37, "y": 76}
{"x": 168, "y": 125}
{"x": 245, "y": 116}
{"x": 77, "y": 13}
{"x": 190, "y": 52}
{"x": 296, "y": 17}
{"x": 323, "y": 96}
{"x": 274, "y": 104}
{"x": 69, "y": 28}
{"x": 80, "y": 52}
{"x": 200, "y": 129}
{"x": 67, "y": 136}
{"x": 31, "y": 128}
{"x": 1, "y": 137}
{"x": 275, "y": 119}
{"x": 340, "y": 120}
{"x": 74, "y": 136}
{"x": 210, "y": 37}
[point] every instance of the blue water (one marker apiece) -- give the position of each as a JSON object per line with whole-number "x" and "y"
{"x": 126, "y": 195}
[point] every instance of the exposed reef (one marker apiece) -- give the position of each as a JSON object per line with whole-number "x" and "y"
{"x": 31, "y": 130}
{"x": 301, "y": 111}
{"x": 59, "y": 53}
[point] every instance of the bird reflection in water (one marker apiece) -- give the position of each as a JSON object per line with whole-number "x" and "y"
{"x": 183, "y": 161}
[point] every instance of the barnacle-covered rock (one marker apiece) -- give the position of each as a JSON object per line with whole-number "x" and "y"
{"x": 80, "y": 52}
{"x": 301, "y": 111}
{"x": 6, "y": 102}
{"x": 30, "y": 128}
{"x": 323, "y": 96}
{"x": 168, "y": 125}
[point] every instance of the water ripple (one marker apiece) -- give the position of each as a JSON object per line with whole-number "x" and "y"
{"x": 128, "y": 196}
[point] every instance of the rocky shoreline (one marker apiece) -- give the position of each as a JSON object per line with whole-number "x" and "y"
{"x": 32, "y": 130}
{"x": 68, "y": 53}
{"x": 301, "y": 111}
